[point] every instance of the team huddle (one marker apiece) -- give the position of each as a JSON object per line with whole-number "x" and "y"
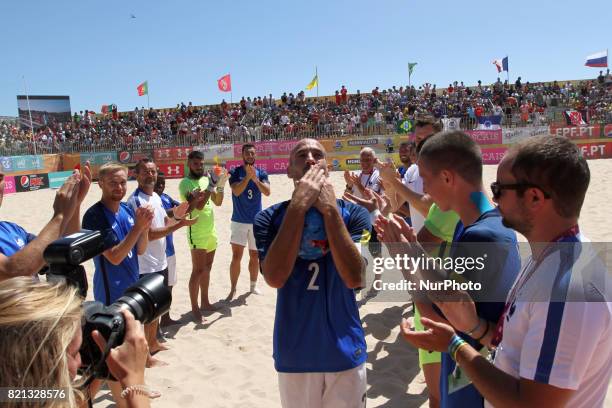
{"x": 539, "y": 336}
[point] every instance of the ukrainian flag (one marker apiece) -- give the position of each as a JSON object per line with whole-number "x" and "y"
{"x": 313, "y": 83}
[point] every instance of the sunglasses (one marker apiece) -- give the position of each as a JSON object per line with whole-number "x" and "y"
{"x": 497, "y": 188}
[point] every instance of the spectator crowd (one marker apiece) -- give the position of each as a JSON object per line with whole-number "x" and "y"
{"x": 294, "y": 116}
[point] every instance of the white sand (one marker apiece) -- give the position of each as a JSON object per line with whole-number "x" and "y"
{"x": 227, "y": 362}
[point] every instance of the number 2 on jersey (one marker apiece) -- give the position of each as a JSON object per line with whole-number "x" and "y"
{"x": 314, "y": 268}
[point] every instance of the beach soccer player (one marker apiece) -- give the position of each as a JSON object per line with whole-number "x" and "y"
{"x": 248, "y": 183}
{"x": 307, "y": 248}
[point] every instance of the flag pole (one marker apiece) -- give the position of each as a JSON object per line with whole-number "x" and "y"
{"x": 317, "y": 75}
{"x": 25, "y": 88}
{"x": 148, "y": 104}
{"x": 409, "y": 75}
{"x": 508, "y": 71}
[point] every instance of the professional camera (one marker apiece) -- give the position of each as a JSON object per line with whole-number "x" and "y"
{"x": 147, "y": 299}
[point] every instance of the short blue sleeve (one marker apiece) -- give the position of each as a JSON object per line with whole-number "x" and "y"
{"x": 234, "y": 176}
{"x": 359, "y": 221}
{"x": 264, "y": 231}
{"x": 95, "y": 220}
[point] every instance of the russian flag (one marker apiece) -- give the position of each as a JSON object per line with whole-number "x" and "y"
{"x": 597, "y": 60}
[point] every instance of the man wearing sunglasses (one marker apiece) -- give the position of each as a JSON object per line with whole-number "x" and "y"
{"x": 551, "y": 351}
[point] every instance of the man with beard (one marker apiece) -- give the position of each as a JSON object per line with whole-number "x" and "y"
{"x": 154, "y": 259}
{"x": 199, "y": 190}
{"x": 307, "y": 247}
{"x": 248, "y": 183}
{"x": 553, "y": 338}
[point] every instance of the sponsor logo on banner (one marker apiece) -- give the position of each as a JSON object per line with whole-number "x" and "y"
{"x": 98, "y": 159}
{"x": 56, "y": 179}
{"x": 126, "y": 156}
{"x": 514, "y": 135}
{"x": 484, "y": 137}
{"x": 576, "y": 132}
{"x": 271, "y": 166}
{"x": 337, "y": 144}
{"x": 275, "y": 148}
{"x": 336, "y": 164}
{"x": 493, "y": 155}
{"x": 596, "y": 150}
{"x": 27, "y": 163}
{"x": 172, "y": 170}
{"x": 222, "y": 152}
{"x": 7, "y": 164}
{"x": 32, "y": 182}
{"x": 9, "y": 185}
{"x": 363, "y": 142}
{"x": 608, "y": 131}
{"x": 174, "y": 153}
{"x": 352, "y": 162}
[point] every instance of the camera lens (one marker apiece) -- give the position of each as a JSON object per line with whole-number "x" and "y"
{"x": 147, "y": 299}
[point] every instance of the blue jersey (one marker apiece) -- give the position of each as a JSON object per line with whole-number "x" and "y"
{"x": 317, "y": 326}
{"x": 13, "y": 238}
{"x": 247, "y": 204}
{"x": 504, "y": 264}
{"x": 168, "y": 203}
{"x": 402, "y": 170}
{"x": 110, "y": 281}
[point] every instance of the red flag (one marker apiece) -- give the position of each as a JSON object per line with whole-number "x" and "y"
{"x": 225, "y": 83}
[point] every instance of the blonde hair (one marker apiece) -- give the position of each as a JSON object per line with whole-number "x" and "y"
{"x": 37, "y": 323}
{"x": 110, "y": 168}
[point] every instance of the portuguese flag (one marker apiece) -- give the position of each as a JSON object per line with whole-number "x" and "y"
{"x": 143, "y": 89}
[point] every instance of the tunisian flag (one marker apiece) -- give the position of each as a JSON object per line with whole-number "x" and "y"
{"x": 225, "y": 83}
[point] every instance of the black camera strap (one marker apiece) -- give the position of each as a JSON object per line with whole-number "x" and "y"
{"x": 98, "y": 367}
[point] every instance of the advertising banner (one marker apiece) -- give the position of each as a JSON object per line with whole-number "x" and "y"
{"x": 133, "y": 156}
{"x": 267, "y": 149}
{"x": 514, "y": 135}
{"x": 17, "y": 164}
{"x": 380, "y": 144}
{"x": 220, "y": 152}
{"x": 271, "y": 166}
{"x": 70, "y": 161}
{"x": 493, "y": 155}
{"x": 99, "y": 158}
{"x": 9, "y": 185}
{"x": 608, "y": 130}
{"x": 576, "y": 132}
{"x": 592, "y": 151}
{"x": 31, "y": 182}
{"x": 486, "y": 137}
{"x": 172, "y": 171}
{"x": 57, "y": 178}
{"x": 172, "y": 153}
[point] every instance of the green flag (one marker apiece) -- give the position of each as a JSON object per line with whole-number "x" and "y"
{"x": 411, "y": 66}
{"x": 404, "y": 126}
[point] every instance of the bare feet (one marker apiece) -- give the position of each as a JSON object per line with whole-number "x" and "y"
{"x": 197, "y": 315}
{"x": 157, "y": 348}
{"x": 231, "y": 295}
{"x": 255, "y": 290}
{"x": 167, "y": 321}
{"x": 154, "y": 362}
{"x": 207, "y": 307}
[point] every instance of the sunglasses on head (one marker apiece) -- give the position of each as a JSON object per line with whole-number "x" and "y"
{"x": 497, "y": 188}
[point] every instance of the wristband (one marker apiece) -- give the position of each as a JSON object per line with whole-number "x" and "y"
{"x": 454, "y": 345}
{"x": 485, "y": 332}
{"x": 454, "y": 356}
{"x": 470, "y": 332}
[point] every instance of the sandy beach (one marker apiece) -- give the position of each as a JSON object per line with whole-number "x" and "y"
{"x": 227, "y": 361}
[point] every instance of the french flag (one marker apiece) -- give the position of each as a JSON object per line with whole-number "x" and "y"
{"x": 597, "y": 60}
{"x": 501, "y": 64}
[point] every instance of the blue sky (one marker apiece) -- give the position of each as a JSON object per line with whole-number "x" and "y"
{"x": 94, "y": 52}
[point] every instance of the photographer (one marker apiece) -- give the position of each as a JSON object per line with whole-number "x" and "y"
{"x": 40, "y": 328}
{"x": 20, "y": 251}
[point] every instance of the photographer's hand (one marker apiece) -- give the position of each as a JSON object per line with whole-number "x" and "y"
{"x": 127, "y": 362}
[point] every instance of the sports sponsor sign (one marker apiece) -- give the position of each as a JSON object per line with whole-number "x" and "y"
{"x": 9, "y": 185}
{"x": 576, "y": 132}
{"x": 592, "y": 151}
{"x": 172, "y": 153}
{"x": 220, "y": 152}
{"x": 31, "y": 182}
{"x": 172, "y": 170}
{"x": 608, "y": 130}
{"x": 486, "y": 137}
{"x": 57, "y": 178}
{"x": 272, "y": 148}
{"x": 493, "y": 155}
{"x": 99, "y": 158}
{"x": 271, "y": 166}
{"x": 22, "y": 163}
{"x": 133, "y": 156}
{"x": 514, "y": 135}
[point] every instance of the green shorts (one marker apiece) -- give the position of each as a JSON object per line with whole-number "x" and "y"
{"x": 425, "y": 356}
{"x": 207, "y": 242}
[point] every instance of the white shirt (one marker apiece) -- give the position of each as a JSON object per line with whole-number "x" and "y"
{"x": 564, "y": 344}
{"x": 371, "y": 181}
{"x": 413, "y": 181}
{"x": 154, "y": 259}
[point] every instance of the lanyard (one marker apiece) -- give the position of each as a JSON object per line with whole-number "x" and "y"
{"x": 522, "y": 280}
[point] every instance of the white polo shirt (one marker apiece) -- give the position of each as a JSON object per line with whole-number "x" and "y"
{"x": 563, "y": 344}
{"x": 413, "y": 181}
{"x": 154, "y": 259}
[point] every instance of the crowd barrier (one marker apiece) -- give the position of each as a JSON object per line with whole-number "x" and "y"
{"x": 34, "y": 172}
